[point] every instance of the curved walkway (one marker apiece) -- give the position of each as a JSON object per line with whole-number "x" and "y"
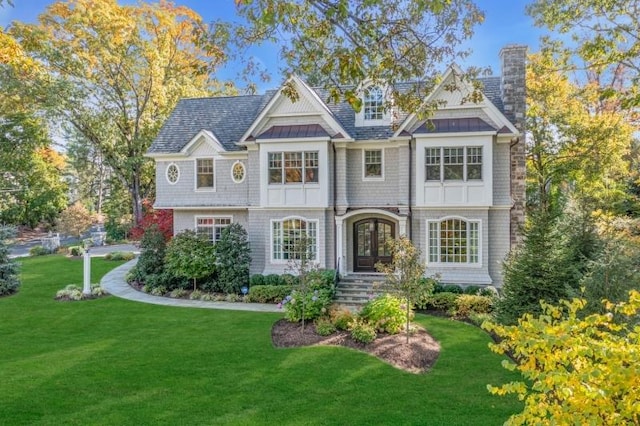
{"x": 114, "y": 282}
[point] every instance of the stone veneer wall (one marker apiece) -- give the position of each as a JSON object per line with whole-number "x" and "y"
{"x": 513, "y": 59}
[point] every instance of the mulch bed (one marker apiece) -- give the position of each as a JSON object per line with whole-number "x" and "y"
{"x": 417, "y": 357}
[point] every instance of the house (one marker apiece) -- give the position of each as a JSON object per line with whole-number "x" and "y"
{"x": 352, "y": 180}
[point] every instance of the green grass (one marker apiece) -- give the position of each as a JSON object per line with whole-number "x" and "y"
{"x": 111, "y": 361}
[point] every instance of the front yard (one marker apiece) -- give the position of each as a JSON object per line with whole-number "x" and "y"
{"x": 112, "y": 361}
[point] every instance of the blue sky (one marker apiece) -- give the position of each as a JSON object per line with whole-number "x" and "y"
{"x": 505, "y": 23}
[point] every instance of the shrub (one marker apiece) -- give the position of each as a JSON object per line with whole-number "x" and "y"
{"x": 158, "y": 291}
{"x": 178, "y": 293}
{"x": 477, "y": 319}
{"x": 196, "y": 295}
{"x": 324, "y": 327}
{"x": 321, "y": 278}
{"x": 471, "y": 289}
{"x": 341, "y": 318}
{"x": 76, "y": 251}
{"x": 467, "y": 304}
{"x": 98, "y": 291}
{"x": 208, "y": 297}
{"x": 444, "y": 302}
{"x": 190, "y": 256}
{"x": 312, "y": 303}
{"x": 273, "y": 279}
{"x": 363, "y": 332}
{"x": 120, "y": 255}
{"x": 232, "y": 297}
{"x": 385, "y": 313}
{"x": 152, "y": 251}
{"x": 452, "y": 288}
{"x": 268, "y": 293}
{"x": 233, "y": 258}
{"x": 73, "y": 292}
{"x": 256, "y": 279}
{"x": 38, "y": 251}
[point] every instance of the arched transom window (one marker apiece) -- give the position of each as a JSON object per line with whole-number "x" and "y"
{"x": 373, "y": 103}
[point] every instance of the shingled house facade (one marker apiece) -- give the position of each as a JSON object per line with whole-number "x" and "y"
{"x": 352, "y": 180}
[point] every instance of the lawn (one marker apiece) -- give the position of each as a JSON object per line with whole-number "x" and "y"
{"x": 112, "y": 361}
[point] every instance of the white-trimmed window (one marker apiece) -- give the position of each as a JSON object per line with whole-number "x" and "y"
{"x": 204, "y": 173}
{"x": 212, "y": 226}
{"x": 173, "y": 173}
{"x": 453, "y": 163}
{"x": 454, "y": 240}
{"x": 293, "y": 167}
{"x": 373, "y": 103}
{"x": 286, "y": 236}
{"x": 372, "y": 164}
{"x": 238, "y": 172}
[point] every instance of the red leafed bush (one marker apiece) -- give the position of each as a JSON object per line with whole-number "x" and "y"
{"x": 162, "y": 217}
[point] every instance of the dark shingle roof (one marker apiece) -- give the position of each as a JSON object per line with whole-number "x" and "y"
{"x": 228, "y": 118}
{"x": 294, "y": 131}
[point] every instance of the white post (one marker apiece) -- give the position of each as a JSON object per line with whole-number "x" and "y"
{"x": 87, "y": 273}
{"x": 339, "y": 248}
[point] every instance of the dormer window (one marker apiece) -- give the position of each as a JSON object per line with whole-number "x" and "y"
{"x": 374, "y": 107}
{"x": 373, "y": 103}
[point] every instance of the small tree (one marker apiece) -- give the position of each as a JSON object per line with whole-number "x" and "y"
{"x": 233, "y": 256}
{"x": 9, "y": 282}
{"x": 301, "y": 264}
{"x": 75, "y": 220}
{"x": 577, "y": 370}
{"x": 190, "y": 255}
{"x": 405, "y": 274}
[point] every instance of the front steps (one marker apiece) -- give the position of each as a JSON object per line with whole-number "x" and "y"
{"x": 354, "y": 290}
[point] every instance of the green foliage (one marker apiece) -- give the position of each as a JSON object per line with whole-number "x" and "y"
{"x": 324, "y": 327}
{"x": 576, "y": 370}
{"x": 153, "y": 248}
{"x": 178, "y": 293}
{"x": 196, "y": 295}
{"x": 74, "y": 293}
{"x": 190, "y": 256}
{"x": 451, "y": 288}
{"x": 233, "y": 256}
{"x": 342, "y": 44}
{"x": 275, "y": 279}
{"x": 341, "y": 318}
{"x": 541, "y": 268}
{"x": 38, "y": 251}
{"x": 468, "y": 304}
{"x": 76, "y": 251}
{"x": 443, "y": 302}
{"x": 363, "y": 332}
{"x": 256, "y": 279}
{"x": 306, "y": 305}
{"x": 120, "y": 255}
{"x": 471, "y": 289}
{"x": 75, "y": 220}
{"x": 9, "y": 282}
{"x": 268, "y": 293}
{"x": 385, "y": 313}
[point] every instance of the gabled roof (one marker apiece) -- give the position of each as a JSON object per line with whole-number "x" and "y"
{"x": 230, "y": 118}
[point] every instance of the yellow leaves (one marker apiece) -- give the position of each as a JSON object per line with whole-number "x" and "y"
{"x": 579, "y": 370}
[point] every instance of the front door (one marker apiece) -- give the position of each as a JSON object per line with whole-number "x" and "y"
{"x": 369, "y": 248}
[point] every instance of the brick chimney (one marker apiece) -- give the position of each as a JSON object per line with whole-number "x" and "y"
{"x": 513, "y": 59}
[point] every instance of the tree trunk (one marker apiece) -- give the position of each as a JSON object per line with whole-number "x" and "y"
{"x": 136, "y": 198}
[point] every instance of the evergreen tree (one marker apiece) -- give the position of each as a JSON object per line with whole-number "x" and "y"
{"x": 9, "y": 282}
{"x": 233, "y": 256}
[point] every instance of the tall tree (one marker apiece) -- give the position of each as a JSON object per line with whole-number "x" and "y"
{"x": 343, "y": 43}
{"x": 115, "y": 72}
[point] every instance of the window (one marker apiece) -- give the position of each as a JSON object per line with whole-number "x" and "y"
{"x": 173, "y": 173}
{"x": 204, "y": 173}
{"x": 373, "y": 103}
{"x": 372, "y": 163}
{"x": 293, "y": 167}
{"x": 459, "y": 163}
{"x": 454, "y": 241}
{"x": 237, "y": 172}
{"x": 287, "y": 238}
{"x": 212, "y": 227}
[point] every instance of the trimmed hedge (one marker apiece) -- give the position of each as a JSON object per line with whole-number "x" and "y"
{"x": 445, "y": 302}
{"x": 268, "y": 293}
{"x": 466, "y": 304}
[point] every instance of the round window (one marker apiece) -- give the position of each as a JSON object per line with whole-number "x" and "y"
{"x": 237, "y": 172}
{"x": 173, "y": 173}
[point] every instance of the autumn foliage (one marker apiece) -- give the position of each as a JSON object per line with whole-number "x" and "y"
{"x": 162, "y": 217}
{"x": 577, "y": 370}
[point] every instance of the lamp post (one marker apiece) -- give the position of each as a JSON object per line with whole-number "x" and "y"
{"x": 86, "y": 290}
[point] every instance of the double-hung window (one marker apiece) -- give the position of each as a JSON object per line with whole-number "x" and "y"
{"x": 293, "y": 167}
{"x": 453, "y": 163}
{"x": 454, "y": 241}
{"x": 372, "y": 163}
{"x": 212, "y": 227}
{"x": 204, "y": 173}
{"x": 291, "y": 237}
{"x": 373, "y": 103}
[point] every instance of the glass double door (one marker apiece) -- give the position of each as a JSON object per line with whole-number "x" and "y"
{"x": 369, "y": 240}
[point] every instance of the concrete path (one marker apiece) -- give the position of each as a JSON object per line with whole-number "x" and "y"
{"x": 114, "y": 282}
